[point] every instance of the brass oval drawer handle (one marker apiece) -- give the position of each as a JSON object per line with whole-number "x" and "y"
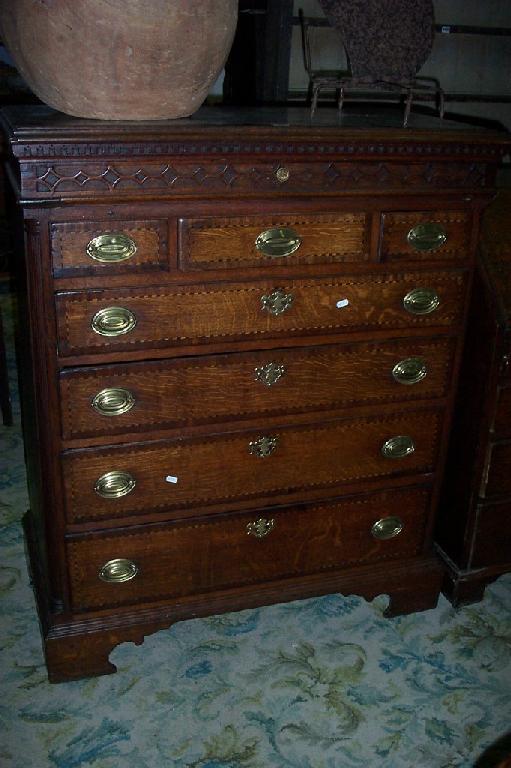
{"x": 118, "y": 570}
{"x": 278, "y": 241}
{"x": 113, "y": 401}
{"x": 427, "y": 236}
{"x": 261, "y": 527}
{"x": 410, "y": 370}
{"x": 264, "y": 446}
{"x": 387, "y": 528}
{"x": 398, "y": 447}
{"x": 277, "y": 302}
{"x": 421, "y": 301}
{"x": 282, "y": 174}
{"x": 269, "y": 374}
{"x": 111, "y": 247}
{"x": 113, "y": 485}
{"x": 113, "y": 321}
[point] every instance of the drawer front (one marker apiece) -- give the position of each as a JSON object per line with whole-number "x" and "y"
{"x": 127, "y": 319}
{"x": 499, "y": 472}
{"x": 176, "y": 474}
{"x": 492, "y": 541}
{"x": 426, "y": 235}
{"x": 261, "y": 241}
{"x": 502, "y": 423}
{"x": 108, "y": 247}
{"x": 219, "y": 553}
{"x": 113, "y": 399}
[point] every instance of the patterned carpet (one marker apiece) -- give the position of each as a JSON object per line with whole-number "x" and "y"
{"x": 322, "y": 683}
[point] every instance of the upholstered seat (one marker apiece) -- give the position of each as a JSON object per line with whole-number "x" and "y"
{"x": 387, "y": 43}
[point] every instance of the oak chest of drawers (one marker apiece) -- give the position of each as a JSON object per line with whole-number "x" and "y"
{"x": 242, "y": 336}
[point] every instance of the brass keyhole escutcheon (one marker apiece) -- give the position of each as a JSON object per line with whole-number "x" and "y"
{"x": 269, "y": 374}
{"x": 263, "y": 446}
{"x": 282, "y": 174}
{"x": 277, "y": 302}
{"x": 261, "y": 527}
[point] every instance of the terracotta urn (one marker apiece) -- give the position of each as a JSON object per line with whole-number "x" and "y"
{"x": 120, "y": 59}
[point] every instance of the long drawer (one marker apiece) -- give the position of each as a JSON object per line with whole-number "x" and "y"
{"x": 129, "y": 319}
{"x": 176, "y": 474}
{"x": 112, "y": 399}
{"x": 235, "y": 550}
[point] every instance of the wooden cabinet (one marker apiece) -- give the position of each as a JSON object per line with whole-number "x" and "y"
{"x": 473, "y": 529}
{"x": 241, "y": 336}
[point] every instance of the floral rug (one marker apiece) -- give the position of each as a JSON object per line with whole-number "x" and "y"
{"x": 321, "y": 683}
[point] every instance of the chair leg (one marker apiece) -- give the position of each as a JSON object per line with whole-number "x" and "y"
{"x": 441, "y": 104}
{"x": 315, "y": 96}
{"x": 5, "y": 400}
{"x": 408, "y": 107}
{"x": 309, "y": 93}
{"x": 340, "y": 98}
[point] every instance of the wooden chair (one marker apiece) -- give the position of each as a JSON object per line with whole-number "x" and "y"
{"x": 387, "y": 49}
{"x": 320, "y": 79}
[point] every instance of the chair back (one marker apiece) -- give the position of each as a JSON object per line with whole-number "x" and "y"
{"x": 386, "y": 40}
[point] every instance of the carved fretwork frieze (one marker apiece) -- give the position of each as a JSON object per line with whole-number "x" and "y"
{"x": 182, "y": 178}
{"x": 214, "y": 148}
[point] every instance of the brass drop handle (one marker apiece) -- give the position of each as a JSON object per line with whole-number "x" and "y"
{"x": 111, "y": 247}
{"x": 387, "y": 528}
{"x": 114, "y": 484}
{"x": 398, "y": 447}
{"x": 269, "y": 374}
{"x": 410, "y": 370}
{"x": 421, "y": 301}
{"x": 277, "y": 302}
{"x": 278, "y": 242}
{"x": 261, "y": 527}
{"x": 427, "y": 236}
{"x": 263, "y": 446}
{"x": 118, "y": 570}
{"x": 113, "y": 401}
{"x": 113, "y": 321}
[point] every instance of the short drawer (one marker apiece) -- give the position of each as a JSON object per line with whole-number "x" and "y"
{"x": 229, "y": 551}
{"x": 256, "y": 241}
{"x": 108, "y": 247}
{"x": 426, "y": 235}
{"x": 168, "y": 475}
{"x": 499, "y": 471}
{"x": 502, "y": 422}
{"x": 112, "y": 399}
{"x": 492, "y": 540}
{"x": 128, "y": 319}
